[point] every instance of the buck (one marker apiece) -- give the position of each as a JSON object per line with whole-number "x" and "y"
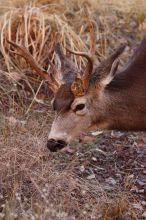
{"x": 101, "y": 95}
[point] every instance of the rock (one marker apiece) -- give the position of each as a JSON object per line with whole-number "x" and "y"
{"x": 111, "y": 181}
{"x": 134, "y": 189}
{"x": 82, "y": 168}
{"x": 83, "y": 192}
{"x": 138, "y": 206}
{"x": 141, "y": 191}
{"x": 133, "y": 24}
{"x": 90, "y": 177}
{"x": 143, "y": 203}
{"x": 144, "y": 215}
{"x": 140, "y": 183}
{"x": 94, "y": 158}
{"x": 96, "y": 133}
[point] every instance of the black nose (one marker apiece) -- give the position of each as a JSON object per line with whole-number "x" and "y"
{"x": 55, "y": 145}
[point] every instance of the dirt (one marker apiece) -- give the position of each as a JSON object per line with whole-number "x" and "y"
{"x": 100, "y": 179}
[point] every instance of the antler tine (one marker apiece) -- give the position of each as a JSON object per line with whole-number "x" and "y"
{"x": 88, "y": 70}
{"x": 52, "y": 83}
{"x": 89, "y": 59}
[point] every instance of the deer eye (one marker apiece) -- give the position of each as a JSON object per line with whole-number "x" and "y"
{"x": 79, "y": 107}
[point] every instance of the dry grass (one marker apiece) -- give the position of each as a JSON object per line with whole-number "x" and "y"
{"x": 38, "y": 30}
{"x": 35, "y": 184}
{"x": 39, "y": 24}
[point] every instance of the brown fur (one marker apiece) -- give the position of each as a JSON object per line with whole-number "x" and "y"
{"x": 112, "y": 100}
{"x": 127, "y": 92}
{"x": 123, "y": 103}
{"x": 63, "y": 98}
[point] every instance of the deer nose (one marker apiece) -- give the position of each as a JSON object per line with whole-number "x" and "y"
{"x": 55, "y": 145}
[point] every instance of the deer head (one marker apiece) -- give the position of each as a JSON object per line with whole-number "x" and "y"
{"x": 79, "y": 104}
{"x": 79, "y": 98}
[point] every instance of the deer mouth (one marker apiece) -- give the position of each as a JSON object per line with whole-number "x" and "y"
{"x": 56, "y": 145}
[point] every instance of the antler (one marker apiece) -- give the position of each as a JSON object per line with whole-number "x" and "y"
{"x": 80, "y": 84}
{"x": 53, "y": 84}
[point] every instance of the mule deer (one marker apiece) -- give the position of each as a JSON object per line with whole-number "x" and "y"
{"x": 99, "y": 96}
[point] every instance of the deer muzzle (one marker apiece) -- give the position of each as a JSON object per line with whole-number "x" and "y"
{"x": 55, "y": 145}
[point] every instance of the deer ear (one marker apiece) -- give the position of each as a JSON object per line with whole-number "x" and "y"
{"x": 105, "y": 81}
{"x": 106, "y": 71}
{"x": 66, "y": 68}
{"x": 63, "y": 62}
{"x": 60, "y": 57}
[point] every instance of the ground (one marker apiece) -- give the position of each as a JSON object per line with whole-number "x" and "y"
{"x": 102, "y": 178}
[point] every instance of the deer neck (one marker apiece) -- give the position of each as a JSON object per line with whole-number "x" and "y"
{"x": 125, "y": 103}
